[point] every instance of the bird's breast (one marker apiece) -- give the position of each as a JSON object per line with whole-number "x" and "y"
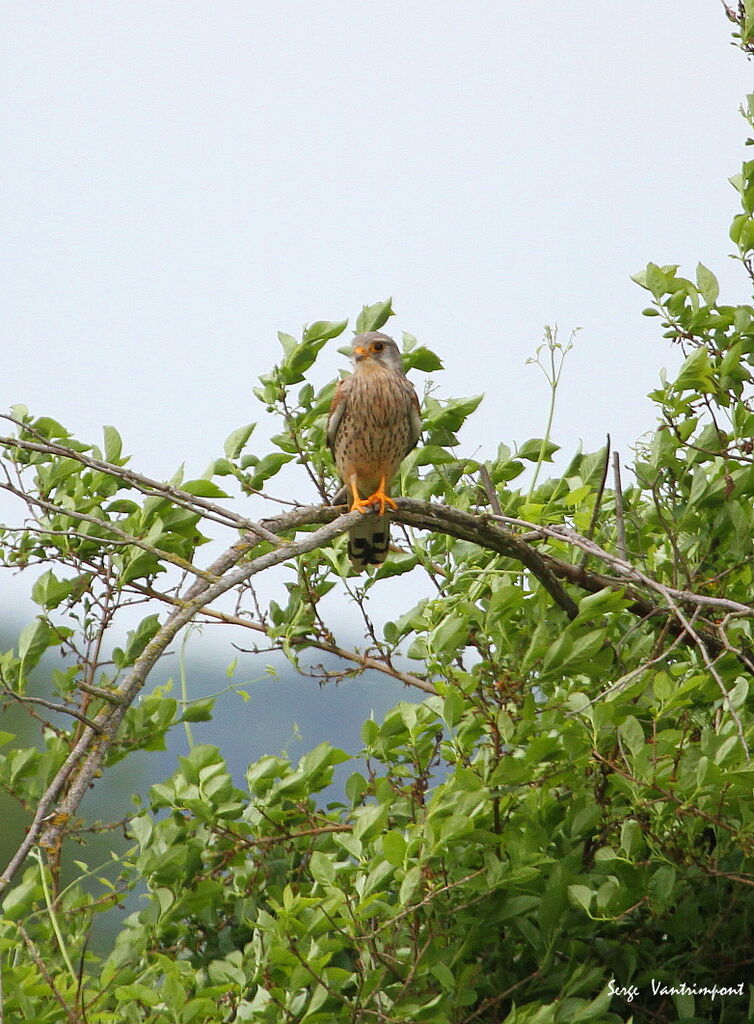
{"x": 374, "y": 433}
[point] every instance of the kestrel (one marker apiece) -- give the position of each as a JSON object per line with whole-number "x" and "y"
{"x": 374, "y": 423}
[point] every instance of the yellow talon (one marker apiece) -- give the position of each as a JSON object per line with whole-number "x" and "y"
{"x": 378, "y": 498}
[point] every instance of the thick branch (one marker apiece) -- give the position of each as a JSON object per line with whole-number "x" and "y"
{"x": 424, "y": 515}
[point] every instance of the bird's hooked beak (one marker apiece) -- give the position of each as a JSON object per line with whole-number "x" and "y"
{"x": 360, "y": 353}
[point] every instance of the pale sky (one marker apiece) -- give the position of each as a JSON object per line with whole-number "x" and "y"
{"x": 183, "y": 180}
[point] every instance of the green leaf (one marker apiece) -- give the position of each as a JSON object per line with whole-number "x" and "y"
{"x": 322, "y": 868}
{"x": 268, "y": 467}
{"x": 369, "y": 820}
{"x": 298, "y": 360}
{"x": 451, "y": 635}
{"x": 236, "y": 441}
{"x": 356, "y": 786}
{"x": 452, "y": 414}
{"x": 409, "y": 885}
{"x": 322, "y": 756}
{"x": 536, "y": 446}
{"x": 137, "y": 993}
{"x": 19, "y": 412}
{"x": 140, "y": 637}
{"x": 34, "y": 640}
{"x": 288, "y": 342}
{"x": 656, "y": 280}
{"x": 595, "y": 1010}
{"x": 113, "y": 445}
{"x": 204, "y": 489}
{"x": 394, "y": 848}
{"x": 580, "y": 896}
{"x": 631, "y": 838}
{"x": 453, "y": 706}
{"x": 632, "y": 734}
{"x": 695, "y": 373}
{"x": 141, "y": 565}
{"x": 370, "y": 732}
{"x": 422, "y": 359}
{"x": 601, "y": 603}
{"x": 662, "y": 686}
{"x": 371, "y": 318}
{"x": 50, "y": 428}
{"x": 558, "y": 652}
{"x": 662, "y": 884}
{"x": 707, "y": 284}
{"x": 198, "y": 711}
{"x": 49, "y": 591}
{"x": 323, "y": 330}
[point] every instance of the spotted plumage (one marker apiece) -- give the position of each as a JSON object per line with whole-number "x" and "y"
{"x": 374, "y": 423}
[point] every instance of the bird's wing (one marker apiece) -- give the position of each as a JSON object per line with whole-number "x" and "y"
{"x": 337, "y": 408}
{"x": 414, "y": 422}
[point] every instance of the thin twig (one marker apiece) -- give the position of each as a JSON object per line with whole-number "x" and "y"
{"x": 619, "y": 522}
{"x": 489, "y": 490}
{"x": 364, "y": 661}
{"x": 424, "y": 901}
{"x": 702, "y": 647}
{"x": 120, "y": 536}
{"x": 111, "y": 696}
{"x": 684, "y": 807}
{"x": 284, "y": 837}
{"x": 486, "y": 1004}
{"x": 72, "y": 1016}
{"x": 51, "y": 706}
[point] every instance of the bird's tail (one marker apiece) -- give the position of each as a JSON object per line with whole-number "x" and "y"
{"x": 368, "y": 541}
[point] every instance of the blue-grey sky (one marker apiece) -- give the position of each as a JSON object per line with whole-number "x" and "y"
{"x": 184, "y": 179}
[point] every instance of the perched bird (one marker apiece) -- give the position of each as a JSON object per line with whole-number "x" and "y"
{"x": 374, "y": 423}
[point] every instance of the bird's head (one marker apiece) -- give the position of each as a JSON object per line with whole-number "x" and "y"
{"x": 373, "y": 350}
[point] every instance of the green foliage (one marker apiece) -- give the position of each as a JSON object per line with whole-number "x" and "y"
{"x": 566, "y": 816}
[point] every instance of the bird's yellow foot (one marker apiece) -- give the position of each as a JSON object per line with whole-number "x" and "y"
{"x": 378, "y": 498}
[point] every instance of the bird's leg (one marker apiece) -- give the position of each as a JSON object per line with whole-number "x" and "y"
{"x": 380, "y": 497}
{"x": 362, "y": 504}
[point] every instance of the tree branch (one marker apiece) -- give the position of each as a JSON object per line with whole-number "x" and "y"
{"x": 364, "y": 661}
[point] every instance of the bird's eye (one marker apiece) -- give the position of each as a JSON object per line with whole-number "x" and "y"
{"x": 378, "y": 346}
